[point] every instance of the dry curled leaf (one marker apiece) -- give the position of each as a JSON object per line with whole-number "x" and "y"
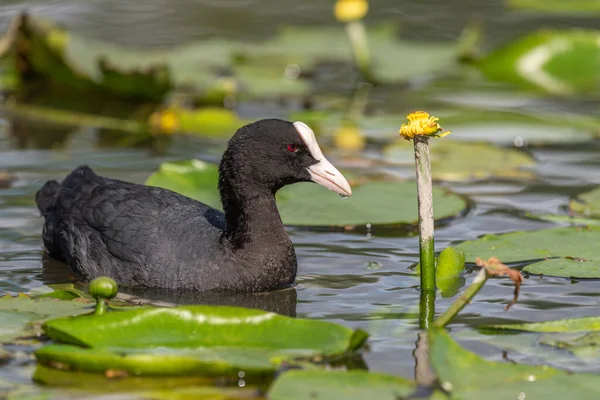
{"x": 494, "y": 267}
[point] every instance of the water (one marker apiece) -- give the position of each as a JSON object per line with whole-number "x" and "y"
{"x": 337, "y": 279}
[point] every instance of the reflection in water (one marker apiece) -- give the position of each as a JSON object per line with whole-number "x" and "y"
{"x": 281, "y": 301}
{"x": 32, "y": 134}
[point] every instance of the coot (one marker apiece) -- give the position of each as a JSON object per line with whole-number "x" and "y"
{"x": 151, "y": 237}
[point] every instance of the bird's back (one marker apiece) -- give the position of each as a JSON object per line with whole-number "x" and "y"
{"x": 139, "y": 235}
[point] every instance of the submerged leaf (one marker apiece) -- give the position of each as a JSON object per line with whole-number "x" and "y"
{"x": 334, "y": 385}
{"x": 307, "y": 204}
{"x": 16, "y": 313}
{"x": 587, "y": 204}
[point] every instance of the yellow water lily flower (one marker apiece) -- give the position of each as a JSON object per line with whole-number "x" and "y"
{"x": 421, "y": 124}
{"x": 348, "y": 137}
{"x": 350, "y": 10}
{"x": 165, "y": 122}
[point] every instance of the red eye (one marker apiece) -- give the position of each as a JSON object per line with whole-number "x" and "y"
{"x": 292, "y": 148}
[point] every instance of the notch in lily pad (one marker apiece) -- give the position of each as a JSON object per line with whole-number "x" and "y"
{"x": 103, "y": 288}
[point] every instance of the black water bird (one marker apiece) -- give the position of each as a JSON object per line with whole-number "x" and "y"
{"x": 151, "y": 237}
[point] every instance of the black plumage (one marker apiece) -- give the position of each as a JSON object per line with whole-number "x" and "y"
{"x": 152, "y": 237}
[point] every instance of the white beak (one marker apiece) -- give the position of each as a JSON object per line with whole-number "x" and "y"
{"x": 323, "y": 172}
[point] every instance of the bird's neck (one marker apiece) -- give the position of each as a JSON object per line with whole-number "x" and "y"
{"x": 251, "y": 216}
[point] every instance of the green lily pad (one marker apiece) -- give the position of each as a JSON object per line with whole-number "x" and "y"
{"x": 559, "y": 62}
{"x": 584, "y": 324}
{"x": 206, "y": 340}
{"x": 307, "y": 47}
{"x": 65, "y": 384}
{"x": 463, "y": 161}
{"x": 468, "y": 376}
{"x": 584, "y": 8}
{"x": 572, "y": 246}
{"x": 587, "y": 204}
{"x": 16, "y": 313}
{"x": 567, "y": 219}
{"x": 308, "y": 204}
{"x": 566, "y": 268}
{"x": 468, "y": 124}
{"x": 334, "y": 385}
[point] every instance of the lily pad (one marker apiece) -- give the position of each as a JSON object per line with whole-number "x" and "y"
{"x": 566, "y": 268}
{"x": 587, "y": 204}
{"x": 307, "y": 47}
{"x": 559, "y": 62}
{"x": 463, "y": 161}
{"x": 211, "y": 341}
{"x": 64, "y": 384}
{"x": 334, "y": 385}
{"x": 579, "y": 243}
{"x": 17, "y": 312}
{"x": 468, "y": 124}
{"x": 584, "y": 8}
{"x": 308, "y": 204}
{"x": 584, "y": 324}
{"x": 468, "y": 376}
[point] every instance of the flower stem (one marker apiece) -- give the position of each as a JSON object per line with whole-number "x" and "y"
{"x": 426, "y": 242}
{"x": 463, "y": 300}
{"x": 425, "y": 201}
{"x": 426, "y": 309}
{"x": 101, "y": 306}
{"x": 358, "y": 40}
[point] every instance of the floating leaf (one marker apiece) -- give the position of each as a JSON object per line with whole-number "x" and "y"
{"x": 307, "y": 204}
{"x": 307, "y": 47}
{"x": 64, "y": 384}
{"x": 17, "y": 312}
{"x": 584, "y": 8}
{"x": 504, "y": 127}
{"x": 567, "y": 219}
{"x": 191, "y": 339}
{"x": 566, "y": 268}
{"x": 468, "y": 376}
{"x": 334, "y": 385}
{"x": 559, "y": 62}
{"x": 563, "y": 325}
{"x": 209, "y": 121}
{"x": 460, "y": 161}
{"x": 587, "y": 204}
{"x": 568, "y": 244}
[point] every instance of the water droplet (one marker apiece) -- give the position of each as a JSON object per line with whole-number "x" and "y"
{"x": 241, "y": 383}
{"x": 368, "y": 225}
{"x": 521, "y": 396}
{"x": 519, "y": 142}
{"x": 292, "y": 71}
{"x": 531, "y": 378}
{"x": 343, "y": 197}
{"x": 241, "y": 374}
